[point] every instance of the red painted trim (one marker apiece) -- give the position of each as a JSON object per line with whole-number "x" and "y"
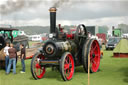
{"x": 120, "y": 55}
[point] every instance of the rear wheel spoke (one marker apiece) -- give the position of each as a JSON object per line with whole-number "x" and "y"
{"x": 94, "y": 63}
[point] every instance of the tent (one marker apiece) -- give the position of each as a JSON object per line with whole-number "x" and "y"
{"x": 121, "y": 50}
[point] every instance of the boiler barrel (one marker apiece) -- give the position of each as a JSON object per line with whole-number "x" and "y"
{"x": 56, "y": 49}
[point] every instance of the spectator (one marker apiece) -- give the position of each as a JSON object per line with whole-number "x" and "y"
{"x": 23, "y": 56}
{"x": 6, "y": 55}
{"x": 12, "y": 59}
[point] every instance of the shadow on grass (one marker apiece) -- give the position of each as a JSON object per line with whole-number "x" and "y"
{"x": 125, "y": 73}
{"x": 51, "y": 75}
{"x": 56, "y": 74}
{"x": 79, "y": 69}
{"x": 31, "y": 78}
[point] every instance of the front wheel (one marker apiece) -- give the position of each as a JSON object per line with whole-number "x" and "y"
{"x": 37, "y": 70}
{"x": 67, "y": 66}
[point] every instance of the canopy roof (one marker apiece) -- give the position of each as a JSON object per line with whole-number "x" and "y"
{"x": 7, "y": 29}
{"x": 122, "y": 46}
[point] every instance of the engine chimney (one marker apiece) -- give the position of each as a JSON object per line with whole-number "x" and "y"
{"x": 52, "y": 19}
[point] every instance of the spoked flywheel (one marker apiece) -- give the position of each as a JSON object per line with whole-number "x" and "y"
{"x": 37, "y": 70}
{"x": 91, "y": 49}
{"x": 81, "y": 32}
{"x": 67, "y": 66}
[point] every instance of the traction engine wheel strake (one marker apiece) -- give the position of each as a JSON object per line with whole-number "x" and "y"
{"x": 92, "y": 49}
{"x": 37, "y": 71}
{"x": 67, "y": 66}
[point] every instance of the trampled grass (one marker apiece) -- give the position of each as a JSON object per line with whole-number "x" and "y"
{"x": 113, "y": 71}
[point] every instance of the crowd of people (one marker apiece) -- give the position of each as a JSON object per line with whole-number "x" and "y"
{"x": 11, "y": 57}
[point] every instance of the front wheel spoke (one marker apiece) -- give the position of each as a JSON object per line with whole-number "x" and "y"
{"x": 66, "y": 61}
{"x": 70, "y": 66}
{"x": 65, "y": 72}
{"x": 69, "y": 61}
{"x": 40, "y": 71}
{"x": 37, "y": 71}
{"x": 68, "y": 72}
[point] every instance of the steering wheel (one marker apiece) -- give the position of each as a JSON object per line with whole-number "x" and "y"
{"x": 81, "y": 32}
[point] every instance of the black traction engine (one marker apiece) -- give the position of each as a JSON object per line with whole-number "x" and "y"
{"x": 65, "y": 51}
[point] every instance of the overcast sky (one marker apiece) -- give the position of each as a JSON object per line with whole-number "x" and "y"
{"x": 69, "y": 12}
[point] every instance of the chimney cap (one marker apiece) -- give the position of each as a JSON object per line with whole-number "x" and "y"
{"x": 53, "y": 9}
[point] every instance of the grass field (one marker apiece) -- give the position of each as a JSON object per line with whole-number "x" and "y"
{"x": 113, "y": 71}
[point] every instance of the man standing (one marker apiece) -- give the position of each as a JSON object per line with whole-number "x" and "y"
{"x": 23, "y": 56}
{"x": 6, "y": 56}
{"x": 12, "y": 59}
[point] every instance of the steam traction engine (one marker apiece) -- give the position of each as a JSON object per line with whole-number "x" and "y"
{"x": 65, "y": 52}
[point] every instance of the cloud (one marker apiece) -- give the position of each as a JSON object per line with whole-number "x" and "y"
{"x": 109, "y": 21}
{"x": 90, "y": 12}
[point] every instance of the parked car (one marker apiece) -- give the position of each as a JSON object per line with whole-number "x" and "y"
{"x": 112, "y": 42}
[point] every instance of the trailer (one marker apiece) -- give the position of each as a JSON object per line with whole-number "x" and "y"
{"x": 6, "y": 36}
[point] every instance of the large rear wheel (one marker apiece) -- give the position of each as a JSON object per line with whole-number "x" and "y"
{"x": 37, "y": 70}
{"x": 67, "y": 66}
{"x": 91, "y": 49}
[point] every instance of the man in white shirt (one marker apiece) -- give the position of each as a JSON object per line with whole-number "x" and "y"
{"x": 6, "y": 55}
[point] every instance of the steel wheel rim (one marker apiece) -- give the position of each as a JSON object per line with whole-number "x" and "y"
{"x": 39, "y": 71}
{"x": 69, "y": 66}
{"x": 95, "y": 56}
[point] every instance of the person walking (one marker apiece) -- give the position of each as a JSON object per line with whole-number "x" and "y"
{"x": 23, "y": 56}
{"x": 6, "y": 55}
{"x": 12, "y": 59}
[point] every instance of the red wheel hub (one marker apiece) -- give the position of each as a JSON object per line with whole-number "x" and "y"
{"x": 39, "y": 71}
{"x": 95, "y": 56}
{"x": 69, "y": 66}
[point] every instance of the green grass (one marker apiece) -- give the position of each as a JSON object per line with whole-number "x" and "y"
{"x": 113, "y": 71}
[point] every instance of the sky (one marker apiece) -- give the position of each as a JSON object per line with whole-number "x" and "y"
{"x": 69, "y": 12}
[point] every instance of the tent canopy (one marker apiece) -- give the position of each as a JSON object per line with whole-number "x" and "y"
{"x": 122, "y": 46}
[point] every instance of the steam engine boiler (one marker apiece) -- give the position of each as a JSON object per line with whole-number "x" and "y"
{"x": 66, "y": 52}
